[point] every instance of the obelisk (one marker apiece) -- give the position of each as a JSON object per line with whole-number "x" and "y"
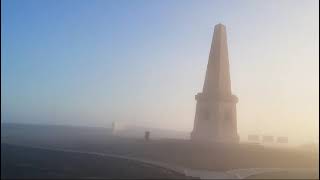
{"x": 215, "y": 118}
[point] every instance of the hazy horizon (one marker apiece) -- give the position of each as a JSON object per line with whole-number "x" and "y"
{"x": 93, "y": 62}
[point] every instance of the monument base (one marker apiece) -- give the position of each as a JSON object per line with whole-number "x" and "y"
{"x": 198, "y": 137}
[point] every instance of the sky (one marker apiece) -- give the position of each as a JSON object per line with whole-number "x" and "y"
{"x": 91, "y": 62}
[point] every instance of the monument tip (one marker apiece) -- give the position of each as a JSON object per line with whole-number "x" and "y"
{"x": 220, "y": 25}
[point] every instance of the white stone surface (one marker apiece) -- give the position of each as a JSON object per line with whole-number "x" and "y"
{"x": 216, "y": 118}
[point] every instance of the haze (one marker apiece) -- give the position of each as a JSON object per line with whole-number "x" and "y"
{"x": 93, "y": 62}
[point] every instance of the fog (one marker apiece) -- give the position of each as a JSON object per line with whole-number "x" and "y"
{"x": 143, "y": 66}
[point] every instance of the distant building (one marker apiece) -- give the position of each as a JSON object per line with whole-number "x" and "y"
{"x": 282, "y": 139}
{"x": 267, "y": 139}
{"x": 117, "y": 127}
{"x": 253, "y": 137}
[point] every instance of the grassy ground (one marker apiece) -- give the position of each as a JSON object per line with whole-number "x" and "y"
{"x": 216, "y": 157}
{"x": 22, "y": 162}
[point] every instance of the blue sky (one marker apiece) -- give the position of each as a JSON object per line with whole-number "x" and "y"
{"x": 91, "y": 62}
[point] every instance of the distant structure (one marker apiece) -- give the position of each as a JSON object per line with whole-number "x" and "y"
{"x": 282, "y": 139}
{"x": 253, "y": 137}
{"x": 137, "y": 130}
{"x": 267, "y": 139}
{"x": 147, "y": 135}
{"x": 117, "y": 127}
{"x": 215, "y": 118}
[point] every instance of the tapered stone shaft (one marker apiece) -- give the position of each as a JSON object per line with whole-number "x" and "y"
{"x": 215, "y": 118}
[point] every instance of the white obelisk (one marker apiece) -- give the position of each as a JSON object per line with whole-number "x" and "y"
{"x": 215, "y": 118}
